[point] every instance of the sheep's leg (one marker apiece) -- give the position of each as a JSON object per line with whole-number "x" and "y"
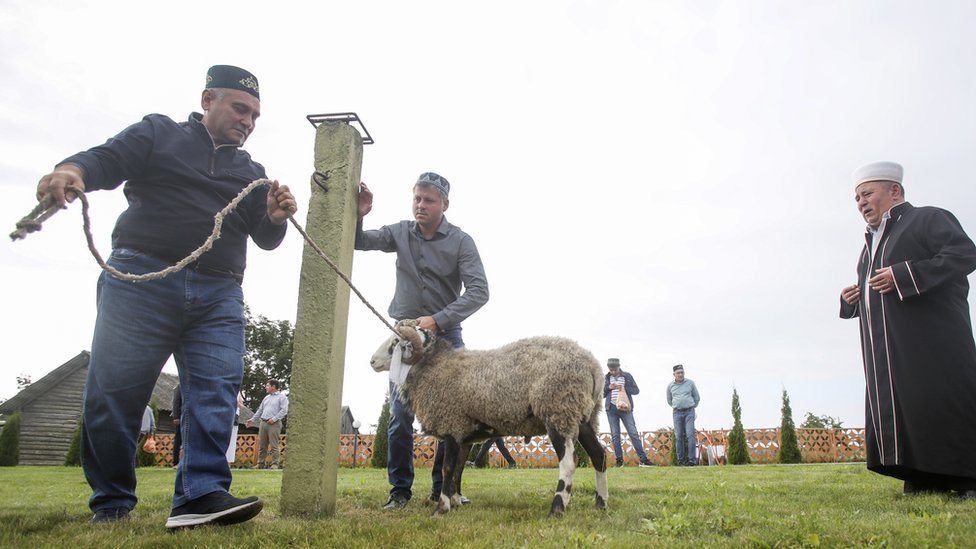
{"x": 463, "y": 452}
{"x": 449, "y": 493}
{"x": 567, "y": 467}
{"x": 598, "y": 456}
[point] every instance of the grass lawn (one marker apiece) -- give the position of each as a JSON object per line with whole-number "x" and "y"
{"x": 756, "y": 505}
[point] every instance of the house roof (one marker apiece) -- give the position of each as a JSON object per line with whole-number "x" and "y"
{"x": 46, "y": 383}
{"x": 162, "y": 392}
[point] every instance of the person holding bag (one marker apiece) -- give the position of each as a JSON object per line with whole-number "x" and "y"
{"x": 148, "y": 431}
{"x": 618, "y": 390}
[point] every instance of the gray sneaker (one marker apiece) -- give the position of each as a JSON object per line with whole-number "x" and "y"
{"x": 114, "y": 514}
{"x": 396, "y": 501}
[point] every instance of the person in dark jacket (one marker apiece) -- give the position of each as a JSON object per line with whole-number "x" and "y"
{"x": 177, "y": 176}
{"x": 616, "y": 381}
{"x": 912, "y": 301}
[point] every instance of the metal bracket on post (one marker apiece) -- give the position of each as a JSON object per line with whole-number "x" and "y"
{"x": 347, "y": 117}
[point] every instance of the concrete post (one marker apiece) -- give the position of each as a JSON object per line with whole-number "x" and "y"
{"x": 309, "y": 480}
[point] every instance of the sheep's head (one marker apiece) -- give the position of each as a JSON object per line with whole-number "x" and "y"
{"x": 419, "y": 340}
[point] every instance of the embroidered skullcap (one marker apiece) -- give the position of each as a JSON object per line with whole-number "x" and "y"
{"x": 678, "y": 367}
{"x": 431, "y": 178}
{"x": 231, "y": 77}
{"x": 878, "y": 171}
{"x": 613, "y": 363}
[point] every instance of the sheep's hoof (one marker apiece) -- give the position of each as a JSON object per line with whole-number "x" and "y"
{"x": 443, "y": 506}
{"x": 558, "y": 508}
{"x": 600, "y": 502}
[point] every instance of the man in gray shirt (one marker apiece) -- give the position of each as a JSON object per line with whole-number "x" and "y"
{"x": 434, "y": 260}
{"x": 683, "y": 399}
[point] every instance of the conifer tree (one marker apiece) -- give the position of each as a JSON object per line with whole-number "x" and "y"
{"x": 382, "y": 437}
{"x": 674, "y": 445}
{"x": 10, "y": 441}
{"x": 789, "y": 449}
{"x": 738, "y": 453}
{"x": 73, "y": 457}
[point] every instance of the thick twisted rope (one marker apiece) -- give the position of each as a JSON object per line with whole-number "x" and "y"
{"x": 47, "y": 208}
{"x": 335, "y": 268}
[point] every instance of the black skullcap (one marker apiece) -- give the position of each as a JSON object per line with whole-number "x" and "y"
{"x": 234, "y": 78}
{"x": 431, "y": 178}
{"x": 613, "y": 363}
{"x": 677, "y": 367}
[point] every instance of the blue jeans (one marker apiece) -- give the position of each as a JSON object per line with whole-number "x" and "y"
{"x": 615, "y": 416}
{"x": 197, "y": 318}
{"x": 684, "y": 426}
{"x": 399, "y": 458}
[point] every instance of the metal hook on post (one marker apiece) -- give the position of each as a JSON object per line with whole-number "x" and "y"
{"x": 347, "y": 117}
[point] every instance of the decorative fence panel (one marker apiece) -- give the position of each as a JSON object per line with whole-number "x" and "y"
{"x": 816, "y": 446}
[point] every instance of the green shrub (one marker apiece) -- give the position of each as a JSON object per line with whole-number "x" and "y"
{"x": 475, "y": 450}
{"x": 789, "y": 448}
{"x": 674, "y": 446}
{"x": 582, "y": 458}
{"x": 10, "y": 441}
{"x": 381, "y": 439}
{"x": 738, "y": 453}
{"x": 73, "y": 457}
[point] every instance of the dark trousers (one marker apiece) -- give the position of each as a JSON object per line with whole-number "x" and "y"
{"x": 177, "y": 444}
{"x": 399, "y": 467}
{"x": 482, "y": 457}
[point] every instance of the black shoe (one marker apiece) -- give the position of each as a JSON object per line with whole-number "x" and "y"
{"x": 646, "y": 463}
{"x": 214, "y": 508}
{"x": 620, "y": 463}
{"x": 114, "y": 514}
{"x": 968, "y": 495}
{"x": 513, "y": 465}
{"x": 923, "y": 488}
{"x": 396, "y": 501}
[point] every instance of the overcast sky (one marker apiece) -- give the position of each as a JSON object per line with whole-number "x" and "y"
{"x": 664, "y": 182}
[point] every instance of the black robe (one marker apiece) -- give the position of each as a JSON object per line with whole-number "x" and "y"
{"x": 918, "y": 350}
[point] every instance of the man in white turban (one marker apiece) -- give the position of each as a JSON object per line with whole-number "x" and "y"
{"x": 917, "y": 343}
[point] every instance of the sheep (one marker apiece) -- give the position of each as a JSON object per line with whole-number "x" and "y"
{"x": 534, "y": 386}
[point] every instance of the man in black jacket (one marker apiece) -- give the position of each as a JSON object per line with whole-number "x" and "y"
{"x": 911, "y": 298}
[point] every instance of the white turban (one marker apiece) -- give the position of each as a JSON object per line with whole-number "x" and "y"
{"x": 878, "y": 171}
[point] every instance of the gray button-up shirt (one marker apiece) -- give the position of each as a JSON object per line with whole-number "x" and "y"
{"x": 273, "y": 407}
{"x": 430, "y": 273}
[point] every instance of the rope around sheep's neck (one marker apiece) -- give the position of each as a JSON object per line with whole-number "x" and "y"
{"x": 47, "y": 208}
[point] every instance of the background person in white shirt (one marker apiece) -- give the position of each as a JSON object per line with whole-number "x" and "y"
{"x": 273, "y": 409}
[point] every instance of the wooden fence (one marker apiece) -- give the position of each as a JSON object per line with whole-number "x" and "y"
{"x": 816, "y": 446}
